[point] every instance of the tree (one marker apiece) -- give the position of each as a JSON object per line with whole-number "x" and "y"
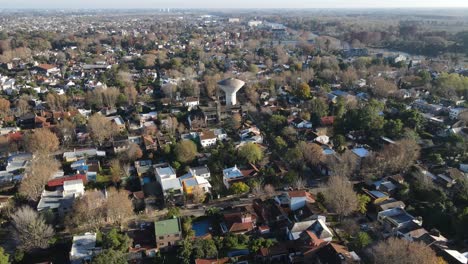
{"x": 101, "y": 128}
{"x": 37, "y": 175}
{"x": 30, "y": 229}
{"x": 363, "y": 200}
{"x": 4, "y": 107}
{"x": 362, "y": 240}
{"x": 382, "y": 88}
{"x": 393, "y": 128}
{"x": 172, "y": 212}
{"x": 198, "y": 195}
{"x": 239, "y": 187}
{"x": 118, "y": 206}
{"x": 116, "y": 241}
{"x": 211, "y": 82}
{"x": 41, "y": 141}
{"x": 185, "y": 251}
{"x": 303, "y": 90}
{"x": 116, "y": 170}
{"x": 110, "y": 256}
{"x": 299, "y": 183}
{"x": 250, "y": 152}
{"x": 395, "y": 250}
{"x": 269, "y": 190}
{"x": 4, "y": 256}
{"x": 311, "y": 152}
{"x": 131, "y": 94}
{"x": 66, "y": 131}
{"x": 256, "y": 244}
{"x": 185, "y": 151}
{"x": 340, "y": 196}
{"x": 134, "y": 152}
{"x": 88, "y": 211}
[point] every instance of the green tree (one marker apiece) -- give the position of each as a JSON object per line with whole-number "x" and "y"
{"x": 116, "y": 241}
{"x": 239, "y": 187}
{"x": 362, "y": 240}
{"x": 363, "y": 200}
{"x": 110, "y": 256}
{"x": 280, "y": 144}
{"x": 185, "y": 151}
{"x": 256, "y": 244}
{"x": 185, "y": 251}
{"x": 393, "y": 128}
{"x": 173, "y": 212}
{"x": 251, "y": 152}
{"x": 4, "y": 256}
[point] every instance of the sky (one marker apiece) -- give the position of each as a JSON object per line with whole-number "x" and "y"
{"x": 126, "y": 4}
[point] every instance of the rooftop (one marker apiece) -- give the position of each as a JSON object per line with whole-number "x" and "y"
{"x": 167, "y": 227}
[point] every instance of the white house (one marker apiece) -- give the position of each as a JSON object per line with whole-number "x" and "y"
{"x": 166, "y": 176}
{"x": 191, "y": 102}
{"x": 73, "y": 188}
{"x": 83, "y": 248}
{"x": 318, "y": 227}
{"x": 207, "y": 138}
{"x": 202, "y": 171}
{"x": 294, "y": 199}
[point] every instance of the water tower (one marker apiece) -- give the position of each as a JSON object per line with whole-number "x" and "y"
{"x": 230, "y": 87}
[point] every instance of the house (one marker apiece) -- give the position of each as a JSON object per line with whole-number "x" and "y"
{"x": 73, "y": 188}
{"x": 278, "y": 253}
{"x": 454, "y": 113}
{"x": 47, "y": 69}
{"x": 143, "y": 167}
{"x": 396, "y": 219}
{"x": 333, "y": 253}
{"x": 191, "y": 102}
{"x": 295, "y": 199}
{"x": 301, "y": 123}
{"x": 60, "y": 181}
{"x": 143, "y": 240}
{"x": 118, "y": 122}
{"x": 75, "y": 155}
{"x": 166, "y": 176}
{"x": 190, "y": 182}
{"x": 318, "y": 227}
{"x": 168, "y": 233}
{"x": 83, "y": 248}
{"x": 327, "y": 120}
{"x": 239, "y": 222}
{"x": 207, "y": 138}
{"x": 202, "y": 171}
{"x": 231, "y": 175}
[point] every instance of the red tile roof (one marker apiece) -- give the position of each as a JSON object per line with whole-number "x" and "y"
{"x": 212, "y": 261}
{"x": 327, "y": 120}
{"x": 59, "y": 181}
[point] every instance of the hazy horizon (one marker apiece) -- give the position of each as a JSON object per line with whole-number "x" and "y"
{"x": 137, "y": 4}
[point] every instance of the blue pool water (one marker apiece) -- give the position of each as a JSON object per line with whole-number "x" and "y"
{"x": 201, "y": 227}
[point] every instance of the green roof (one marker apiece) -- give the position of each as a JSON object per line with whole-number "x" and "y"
{"x": 167, "y": 227}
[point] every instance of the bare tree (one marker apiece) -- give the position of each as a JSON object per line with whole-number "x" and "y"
{"x": 66, "y": 131}
{"x": 118, "y": 206}
{"x": 395, "y": 250}
{"x": 101, "y": 128}
{"x": 22, "y": 107}
{"x": 312, "y": 153}
{"x": 198, "y": 195}
{"x": 299, "y": 184}
{"x": 131, "y": 94}
{"x": 41, "y": 141}
{"x": 30, "y": 229}
{"x": 269, "y": 190}
{"x": 382, "y": 88}
{"x": 88, "y": 211}
{"x": 115, "y": 170}
{"x": 134, "y": 152}
{"x": 37, "y": 175}
{"x": 211, "y": 82}
{"x": 340, "y": 196}
{"x": 4, "y": 107}
{"x": 344, "y": 165}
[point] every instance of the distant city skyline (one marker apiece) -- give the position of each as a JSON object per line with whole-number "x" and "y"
{"x": 125, "y": 4}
